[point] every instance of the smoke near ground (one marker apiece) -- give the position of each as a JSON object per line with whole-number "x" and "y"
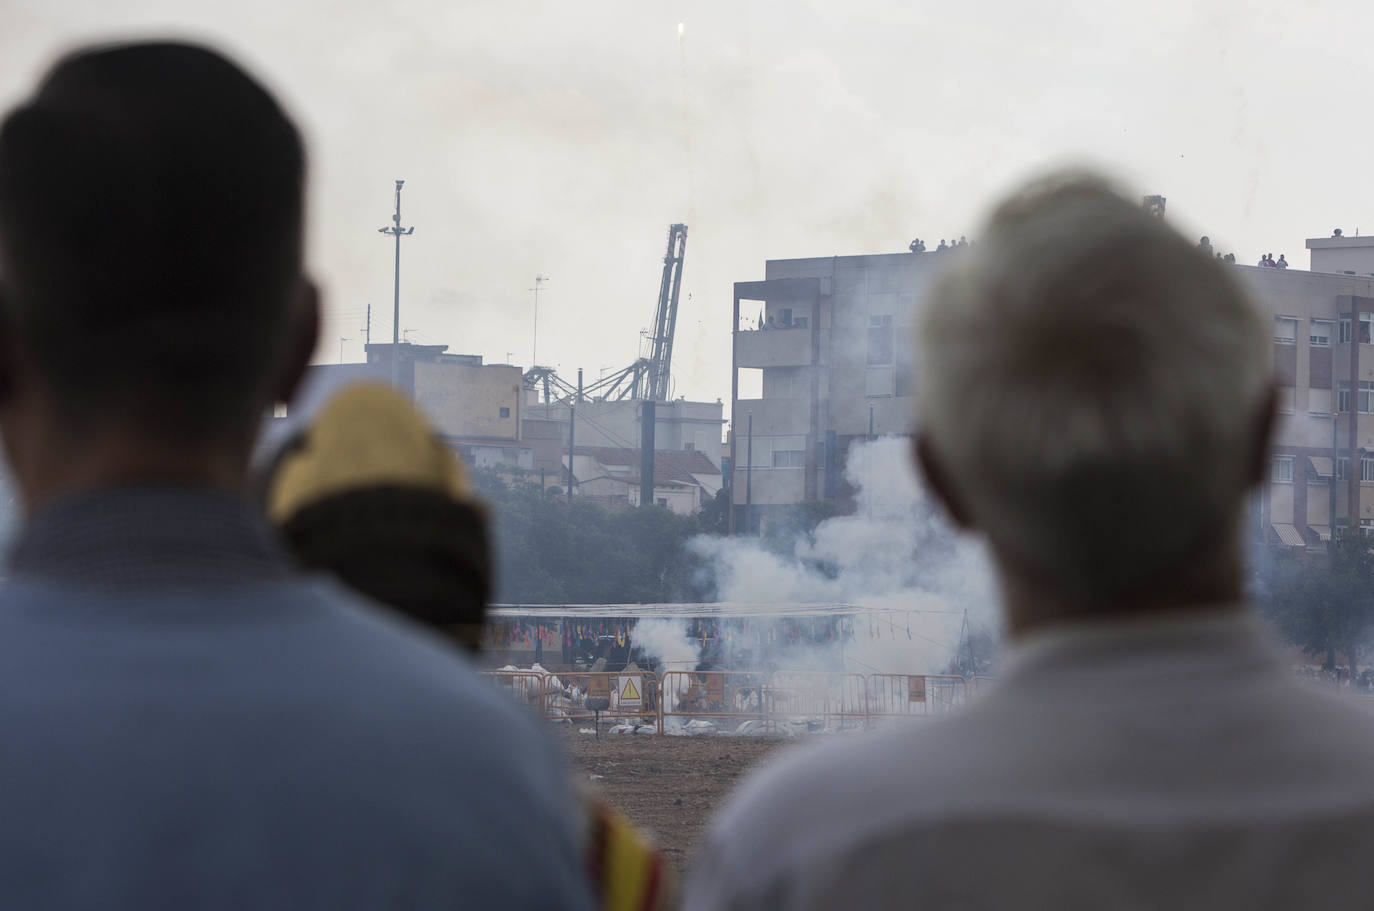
{"x": 924, "y": 590}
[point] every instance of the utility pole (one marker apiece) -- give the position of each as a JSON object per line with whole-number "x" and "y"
{"x": 539, "y": 281}
{"x": 341, "y": 341}
{"x": 749, "y": 479}
{"x": 395, "y": 230}
{"x": 367, "y": 327}
{"x": 572, "y": 427}
{"x": 646, "y": 452}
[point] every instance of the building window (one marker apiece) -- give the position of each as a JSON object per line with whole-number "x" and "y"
{"x": 1366, "y": 328}
{"x": 662, "y": 501}
{"x": 1367, "y": 527}
{"x": 1367, "y": 468}
{"x": 1342, "y": 468}
{"x": 879, "y": 382}
{"x": 1320, "y": 334}
{"x": 505, "y": 412}
{"x": 1319, "y": 401}
{"x": 1364, "y": 401}
{"x": 1283, "y": 469}
{"x": 1285, "y": 399}
{"x": 777, "y": 452}
{"x": 1285, "y": 330}
{"x": 879, "y": 339}
{"x": 689, "y": 446}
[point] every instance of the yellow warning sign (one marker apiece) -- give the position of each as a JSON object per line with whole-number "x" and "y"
{"x": 629, "y": 690}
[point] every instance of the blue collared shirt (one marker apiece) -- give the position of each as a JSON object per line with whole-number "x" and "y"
{"x": 188, "y": 723}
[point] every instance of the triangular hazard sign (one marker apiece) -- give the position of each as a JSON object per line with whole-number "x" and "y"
{"x": 628, "y": 691}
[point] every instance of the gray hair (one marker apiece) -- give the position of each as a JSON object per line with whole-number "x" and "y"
{"x": 1093, "y": 387}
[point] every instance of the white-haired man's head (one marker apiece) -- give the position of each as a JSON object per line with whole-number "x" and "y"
{"x": 1094, "y": 393}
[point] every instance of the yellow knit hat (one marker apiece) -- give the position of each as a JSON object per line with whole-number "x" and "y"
{"x": 368, "y": 435}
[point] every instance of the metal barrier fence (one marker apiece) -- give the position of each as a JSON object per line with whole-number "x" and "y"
{"x": 525, "y": 687}
{"x": 630, "y": 694}
{"x": 738, "y": 695}
{"x": 914, "y": 694}
{"x": 829, "y": 699}
{"x": 818, "y": 696}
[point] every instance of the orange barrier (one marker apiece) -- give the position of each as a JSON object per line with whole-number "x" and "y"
{"x": 737, "y": 695}
{"x": 631, "y": 694}
{"x": 525, "y": 687}
{"x": 914, "y": 694}
{"x": 826, "y": 697}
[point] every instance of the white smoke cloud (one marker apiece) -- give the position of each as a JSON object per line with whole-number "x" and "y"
{"x": 666, "y": 642}
{"x": 923, "y": 587}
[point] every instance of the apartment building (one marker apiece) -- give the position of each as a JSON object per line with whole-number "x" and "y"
{"x": 1322, "y": 468}
{"x": 823, "y": 356}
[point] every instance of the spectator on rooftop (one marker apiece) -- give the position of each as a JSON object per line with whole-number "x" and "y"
{"x": 1282, "y": 263}
{"x": 1147, "y": 746}
{"x": 190, "y": 723}
{"x": 943, "y": 246}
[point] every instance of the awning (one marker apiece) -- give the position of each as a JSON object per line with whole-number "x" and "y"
{"x": 1289, "y": 534}
{"x": 1321, "y": 465}
{"x": 1323, "y": 531}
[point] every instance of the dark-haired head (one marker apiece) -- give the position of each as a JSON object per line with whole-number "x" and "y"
{"x": 151, "y": 202}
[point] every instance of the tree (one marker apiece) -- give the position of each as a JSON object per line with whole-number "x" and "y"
{"x": 1326, "y": 605}
{"x": 552, "y": 550}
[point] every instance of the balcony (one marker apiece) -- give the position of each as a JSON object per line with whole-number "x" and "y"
{"x": 772, "y": 416}
{"x": 773, "y": 348}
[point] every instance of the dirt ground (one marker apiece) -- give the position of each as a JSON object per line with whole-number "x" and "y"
{"x": 668, "y": 786}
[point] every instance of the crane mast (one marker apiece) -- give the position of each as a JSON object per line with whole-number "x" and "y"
{"x": 665, "y": 319}
{"x": 648, "y": 377}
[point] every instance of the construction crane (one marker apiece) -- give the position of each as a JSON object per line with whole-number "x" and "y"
{"x": 648, "y": 377}
{"x": 665, "y": 320}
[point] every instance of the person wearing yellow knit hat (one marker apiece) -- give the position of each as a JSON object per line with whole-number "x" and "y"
{"x": 370, "y": 493}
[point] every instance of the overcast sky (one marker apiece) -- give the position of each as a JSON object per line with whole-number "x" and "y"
{"x": 563, "y": 138}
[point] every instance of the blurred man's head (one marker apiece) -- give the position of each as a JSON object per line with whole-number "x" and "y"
{"x": 151, "y": 200}
{"x": 1095, "y": 397}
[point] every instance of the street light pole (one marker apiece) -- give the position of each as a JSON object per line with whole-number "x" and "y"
{"x": 395, "y": 230}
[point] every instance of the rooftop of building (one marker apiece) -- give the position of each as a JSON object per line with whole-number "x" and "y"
{"x": 670, "y": 465}
{"x": 1340, "y": 241}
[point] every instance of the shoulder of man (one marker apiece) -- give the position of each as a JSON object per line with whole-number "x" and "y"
{"x": 815, "y": 800}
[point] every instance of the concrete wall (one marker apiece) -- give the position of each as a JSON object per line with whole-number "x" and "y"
{"x": 677, "y": 425}
{"x": 1342, "y": 254}
{"x": 466, "y": 400}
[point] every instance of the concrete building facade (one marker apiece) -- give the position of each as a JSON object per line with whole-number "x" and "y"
{"x": 1341, "y": 254}
{"x": 1322, "y": 467}
{"x": 822, "y": 356}
{"x": 680, "y": 426}
{"x": 684, "y": 480}
{"x": 832, "y": 363}
{"x": 476, "y": 407}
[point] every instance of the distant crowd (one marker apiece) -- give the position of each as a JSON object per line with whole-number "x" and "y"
{"x": 919, "y": 246}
